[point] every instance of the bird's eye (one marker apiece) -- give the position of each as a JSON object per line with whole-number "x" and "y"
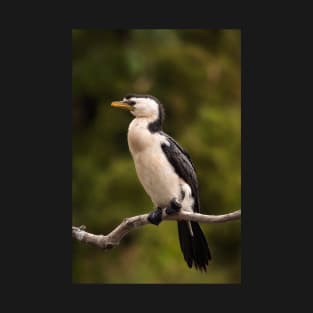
{"x": 129, "y": 102}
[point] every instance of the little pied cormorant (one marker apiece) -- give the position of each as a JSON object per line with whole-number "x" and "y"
{"x": 166, "y": 172}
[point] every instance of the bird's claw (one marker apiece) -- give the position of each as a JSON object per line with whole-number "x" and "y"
{"x": 173, "y": 208}
{"x": 155, "y": 217}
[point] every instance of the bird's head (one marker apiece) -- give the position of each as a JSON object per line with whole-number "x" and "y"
{"x": 145, "y": 106}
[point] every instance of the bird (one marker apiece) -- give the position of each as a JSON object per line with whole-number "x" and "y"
{"x": 166, "y": 173}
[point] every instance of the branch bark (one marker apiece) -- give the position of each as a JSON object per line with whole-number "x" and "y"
{"x": 128, "y": 224}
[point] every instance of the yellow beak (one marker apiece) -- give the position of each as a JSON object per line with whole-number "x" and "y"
{"x": 121, "y": 105}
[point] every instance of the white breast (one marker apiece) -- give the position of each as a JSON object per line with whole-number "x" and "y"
{"x": 153, "y": 169}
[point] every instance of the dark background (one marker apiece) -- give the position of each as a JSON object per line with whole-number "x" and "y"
{"x": 196, "y": 74}
{"x": 276, "y": 132}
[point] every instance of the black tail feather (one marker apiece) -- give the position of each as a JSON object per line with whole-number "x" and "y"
{"x": 195, "y": 248}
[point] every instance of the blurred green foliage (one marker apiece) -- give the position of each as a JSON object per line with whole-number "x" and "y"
{"x": 197, "y": 76}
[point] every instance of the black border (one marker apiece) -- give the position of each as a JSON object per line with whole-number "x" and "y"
{"x": 37, "y": 159}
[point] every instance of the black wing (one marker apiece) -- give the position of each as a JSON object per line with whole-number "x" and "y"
{"x": 183, "y": 166}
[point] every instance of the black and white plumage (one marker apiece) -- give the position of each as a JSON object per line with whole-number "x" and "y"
{"x": 166, "y": 172}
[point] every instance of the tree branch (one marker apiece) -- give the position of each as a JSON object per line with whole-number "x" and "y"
{"x": 128, "y": 224}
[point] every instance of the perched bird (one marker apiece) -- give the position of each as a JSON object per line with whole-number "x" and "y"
{"x": 166, "y": 172}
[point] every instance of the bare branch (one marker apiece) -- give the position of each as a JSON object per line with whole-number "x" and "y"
{"x": 128, "y": 224}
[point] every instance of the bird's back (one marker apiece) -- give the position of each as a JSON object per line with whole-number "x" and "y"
{"x": 183, "y": 165}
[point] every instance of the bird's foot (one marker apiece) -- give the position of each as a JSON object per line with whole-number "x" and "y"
{"x": 173, "y": 207}
{"x": 155, "y": 217}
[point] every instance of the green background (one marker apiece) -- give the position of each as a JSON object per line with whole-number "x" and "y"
{"x": 196, "y": 74}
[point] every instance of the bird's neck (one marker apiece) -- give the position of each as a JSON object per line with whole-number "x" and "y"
{"x": 139, "y": 136}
